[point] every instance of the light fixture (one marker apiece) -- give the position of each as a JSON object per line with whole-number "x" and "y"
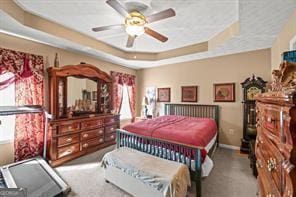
{"x": 135, "y": 23}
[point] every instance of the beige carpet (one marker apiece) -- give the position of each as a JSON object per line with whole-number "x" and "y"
{"x": 231, "y": 177}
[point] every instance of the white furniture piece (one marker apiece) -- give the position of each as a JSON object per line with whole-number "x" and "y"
{"x": 141, "y": 174}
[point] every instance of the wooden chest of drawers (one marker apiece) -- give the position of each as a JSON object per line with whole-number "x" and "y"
{"x": 275, "y": 146}
{"x": 71, "y": 138}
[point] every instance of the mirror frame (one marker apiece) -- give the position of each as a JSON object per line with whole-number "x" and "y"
{"x": 79, "y": 71}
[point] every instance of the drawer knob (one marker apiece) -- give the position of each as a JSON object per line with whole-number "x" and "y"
{"x": 112, "y": 136}
{"x": 259, "y": 164}
{"x": 101, "y": 131}
{"x": 112, "y": 129}
{"x": 69, "y": 151}
{"x": 259, "y": 141}
{"x": 271, "y": 164}
{"x": 85, "y": 145}
{"x": 85, "y": 135}
{"x": 69, "y": 127}
{"x": 101, "y": 140}
{"x": 69, "y": 139}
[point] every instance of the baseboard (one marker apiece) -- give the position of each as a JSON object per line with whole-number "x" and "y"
{"x": 229, "y": 146}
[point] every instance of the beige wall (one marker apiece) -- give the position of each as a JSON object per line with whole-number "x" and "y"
{"x": 65, "y": 57}
{"x": 282, "y": 42}
{"x": 232, "y": 68}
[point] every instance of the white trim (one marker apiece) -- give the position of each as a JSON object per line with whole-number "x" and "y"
{"x": 6, "y": 141}
{"x": 229, "y": 146}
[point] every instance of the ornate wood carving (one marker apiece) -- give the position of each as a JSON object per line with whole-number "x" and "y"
{"x": 80, "y": 70}
{"x": 284, "y": 78}
{"x": 276, "y": 139}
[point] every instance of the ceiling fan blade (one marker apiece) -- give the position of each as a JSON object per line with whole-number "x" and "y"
{"x": 161, "y": 15}
{"x": 116, "y": 5}
{"x": 155, "y": 34}
{"x": 130, "y": 41}
{"x": 103, "y": 28}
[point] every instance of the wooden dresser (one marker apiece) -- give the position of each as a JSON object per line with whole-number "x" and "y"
{"x": 276, "y": 135}
{"x": 81, "y": 104}
{"x": 71, "y": 138}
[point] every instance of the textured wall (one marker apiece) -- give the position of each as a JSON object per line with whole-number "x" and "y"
{"x": 282, "y": 42}
{"x": 232, "y": 68}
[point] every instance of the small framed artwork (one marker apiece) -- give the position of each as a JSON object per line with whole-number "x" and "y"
{"x": 189, "y": 93}
{"x": 164, "y": 94}
{"x": 224, "y": 92}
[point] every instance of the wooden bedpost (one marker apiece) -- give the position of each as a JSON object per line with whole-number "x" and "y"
{"x": 217, "y": 118}
{"x": 118, "y": 138}
{"x": 198, "y": 172}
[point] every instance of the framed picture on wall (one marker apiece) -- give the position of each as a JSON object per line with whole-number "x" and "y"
{"x": 189, "y": 93}
{"x": 164, "y": 94}
{"x": 224, "y": 92}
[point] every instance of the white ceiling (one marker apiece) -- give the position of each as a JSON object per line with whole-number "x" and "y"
{"x": 204, "y": 18}
{"x": 195, "y": 21}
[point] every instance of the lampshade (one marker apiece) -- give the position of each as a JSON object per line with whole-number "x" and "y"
{"x": 134, "y": 30}
{"x": 145, "y": 101}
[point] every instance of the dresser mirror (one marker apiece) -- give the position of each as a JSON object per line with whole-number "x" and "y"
{"x": 80, "y": 90}
{"x": 81, "y": 95}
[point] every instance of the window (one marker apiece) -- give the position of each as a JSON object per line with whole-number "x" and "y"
{"x": 125, "y": 111}
{"x": 7, "y": 98}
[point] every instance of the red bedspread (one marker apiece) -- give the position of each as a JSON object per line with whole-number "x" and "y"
{"x": 182, "y": 129}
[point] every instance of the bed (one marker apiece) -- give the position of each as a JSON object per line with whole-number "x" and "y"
{"x": 155, "y": 140}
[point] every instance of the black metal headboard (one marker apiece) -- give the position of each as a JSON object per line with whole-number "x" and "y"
{"x": 193, "y": 110}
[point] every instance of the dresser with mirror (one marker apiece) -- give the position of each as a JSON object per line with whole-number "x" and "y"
{"x": 80, "y": 101}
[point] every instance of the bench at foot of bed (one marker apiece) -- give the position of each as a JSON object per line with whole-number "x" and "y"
{"x": 141, "y": 174}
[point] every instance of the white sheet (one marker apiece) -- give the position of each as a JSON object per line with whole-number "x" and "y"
{"x": 171, "y": 178}
{"x": 208, "y": 164}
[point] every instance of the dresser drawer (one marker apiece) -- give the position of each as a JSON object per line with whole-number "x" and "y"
{"x": 68, "y": 139}
{"x": 92, "y": 124}
{"x": 267, "y": 188}
{"x": 111, "y": 120}
{"x": 68, "y": 150}
{"x": 271, "y": 158}
{"x": 110, "y": 129}
{"x": 266, "y": 183}
{"x": 86, "y": 135}
{"x": 90, "y": 143}
{"x": 110, "y": 137}
{"x": 68, "y": 128}
{"x": 270, "y": 118}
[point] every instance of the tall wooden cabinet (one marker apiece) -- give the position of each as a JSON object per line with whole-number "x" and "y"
{"x": 276, "y": 135}
{"x": 86, "y": 124}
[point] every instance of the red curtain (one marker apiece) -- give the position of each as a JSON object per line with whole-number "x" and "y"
{"x": 28, "y": 70}
{"x": 119, "y": 80}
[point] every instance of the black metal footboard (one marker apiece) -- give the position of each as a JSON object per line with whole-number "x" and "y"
{"x": 174, "y": 151}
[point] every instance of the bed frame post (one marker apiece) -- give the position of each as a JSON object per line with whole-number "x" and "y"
{"x": 217, "y": 122}
{"x": 118, "y": 138}
{"x": 198, "y": 172}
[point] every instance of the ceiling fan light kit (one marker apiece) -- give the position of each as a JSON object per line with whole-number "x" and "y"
{"x": 135, "y": 23}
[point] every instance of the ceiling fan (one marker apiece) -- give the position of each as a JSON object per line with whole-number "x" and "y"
{"x": 135, "y": 23}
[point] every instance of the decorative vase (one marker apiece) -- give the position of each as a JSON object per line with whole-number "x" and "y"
{"x": 56, "y": 61}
